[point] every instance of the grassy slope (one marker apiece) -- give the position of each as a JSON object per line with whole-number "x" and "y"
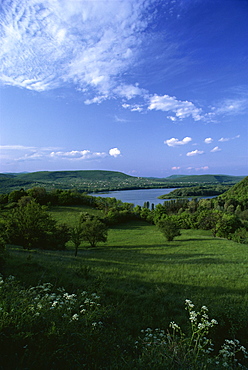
{"x": 146, "y": 278}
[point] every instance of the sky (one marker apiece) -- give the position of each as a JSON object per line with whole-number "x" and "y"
{"x": 150, "y": 88}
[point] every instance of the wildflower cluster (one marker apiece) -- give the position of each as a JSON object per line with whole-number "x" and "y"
{"x": 174, "y": 349}
{"x": 230, "y": 353}
{"x": 44, "y": 299}
{"x": 153, "y": 337}
{"x": 51, "y": 327}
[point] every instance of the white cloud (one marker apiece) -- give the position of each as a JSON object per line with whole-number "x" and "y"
{"x": 223, "y": 139}
{"x": 175, "y": 168}
{"x": 215, "y": 149}
{"x": 78, "y": 155}
{"x": 182, "y": 109}
{"x": 202, "y": 168}
{"x": 194, "y": 152}
{"x": 129, "y": 91}
{"x": 15, "y": 147}
{"x": 173, "y": 119}
{"x": 114, "y": 152}
{"x": 47, "y": 43}
{"x": 208, "y": 140}
{"x": 133, "y": 107}
{"x": 24, "y": 153}
{"x": 231, "y": 107}
{"x": 198, "y": 168}
{"x": 175, "y": 142}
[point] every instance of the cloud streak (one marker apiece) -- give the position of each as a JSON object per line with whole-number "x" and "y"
{"x": 25, "y": 153}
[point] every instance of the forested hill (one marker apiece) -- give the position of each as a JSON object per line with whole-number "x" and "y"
{"x": 238, "y": 192}
{"x": 211, "y": 179}
{"x": 97, "y": 180}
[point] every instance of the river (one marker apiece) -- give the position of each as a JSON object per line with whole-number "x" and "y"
{"x": 137, "y": 197}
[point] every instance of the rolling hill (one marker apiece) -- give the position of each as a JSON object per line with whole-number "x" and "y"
{"x": 98, "y": 180}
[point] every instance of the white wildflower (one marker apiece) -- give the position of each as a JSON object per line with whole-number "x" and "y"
{"x": 75, "y": 317}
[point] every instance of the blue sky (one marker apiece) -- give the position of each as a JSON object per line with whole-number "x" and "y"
{"x": 145, "y": 87}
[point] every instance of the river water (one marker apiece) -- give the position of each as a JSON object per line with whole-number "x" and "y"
{"x": 137, "y": 197}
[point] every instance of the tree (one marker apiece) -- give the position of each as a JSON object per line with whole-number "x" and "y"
{"x": 226, "y": 226}
{"x": 76, "y": 236}
{"x": 94, "y": 231}
{"x": 31, "y": 226}
{"x": 169, "y": 227}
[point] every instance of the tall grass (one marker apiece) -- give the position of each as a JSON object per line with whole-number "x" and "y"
{"x": 147, "y": 279}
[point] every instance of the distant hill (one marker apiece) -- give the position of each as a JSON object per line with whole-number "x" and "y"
{"x": 98, "y": 180}
{"x": 66, "y": 175}
{"x": 238, "y": 191}
{"x": 213, "y": 179}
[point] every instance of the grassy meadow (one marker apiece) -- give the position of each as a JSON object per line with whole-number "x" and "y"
{"x": 145, "y": 279}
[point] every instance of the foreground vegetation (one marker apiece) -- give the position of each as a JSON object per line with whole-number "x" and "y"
{"x": 142, "y": 281}
{"x": 97, "y": 285}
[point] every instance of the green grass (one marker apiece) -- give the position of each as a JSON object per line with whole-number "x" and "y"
{"x": 70, "y": 214}
{"x": 147, "y": 279}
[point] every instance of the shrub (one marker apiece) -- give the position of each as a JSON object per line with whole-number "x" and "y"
{"x": 169, "y": 227}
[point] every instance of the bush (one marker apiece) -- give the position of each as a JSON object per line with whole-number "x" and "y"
{"x": 169, "y": 227}
{"x": 240, "y": 236}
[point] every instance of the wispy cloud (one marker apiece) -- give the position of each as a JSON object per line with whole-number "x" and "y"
{"x": 25, "y": 153}
{"x": 78, "y": 155}
{"x": 176, "y": 142}
{"x": 223, "y": 139}
{"x": 194, "y": 152}
{"x": 203, "y": 168}
{"x": 90, "y": 43}
{"x": 231, "y": 106}
{"x": 215, "y": 149}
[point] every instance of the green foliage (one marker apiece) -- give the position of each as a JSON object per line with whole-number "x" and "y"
{"x": 76, "y": 236}
{"x": 238, "y": 192}
{"x": 240, "y": 236}
{"x": 94, "y": 231}
{"x": 197, "y": 191}
{"x": 30, "y": 226}
{"x": 226, "y": 225}
{"x": 169, "y": 227}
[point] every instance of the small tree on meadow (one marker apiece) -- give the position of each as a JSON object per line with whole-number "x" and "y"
{"x": 76, "y": 236}
{"x": 169, "y": 227}
{"x": 94, "y": 231}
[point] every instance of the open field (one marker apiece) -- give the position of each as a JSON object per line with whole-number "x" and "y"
{"x": 146, "y": 279}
